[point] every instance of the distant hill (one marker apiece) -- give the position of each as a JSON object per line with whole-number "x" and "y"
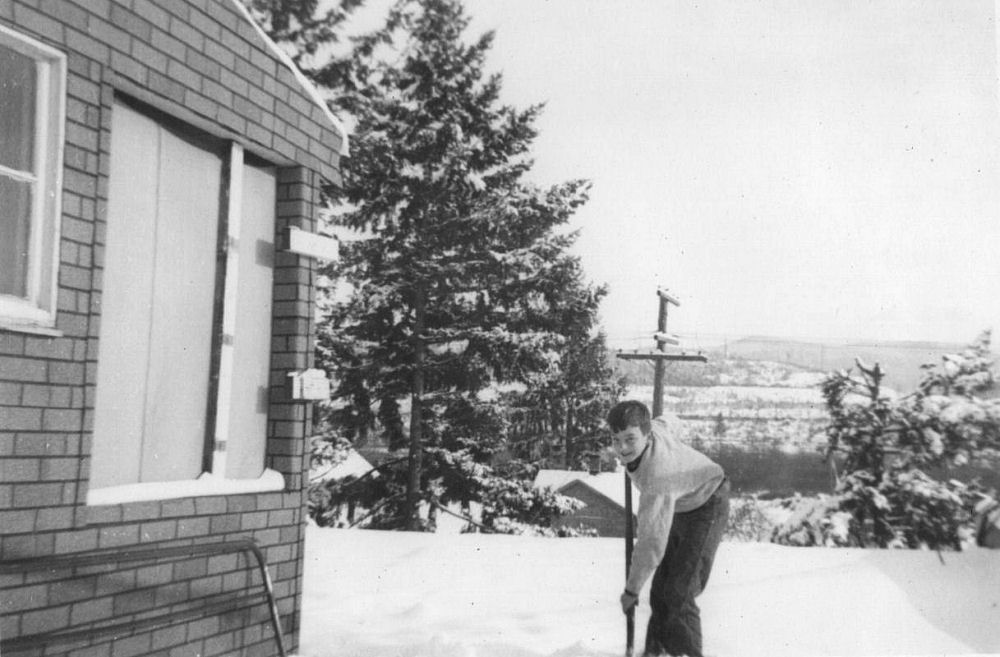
{"x": 901, "y": 361}
{"x": 730, "y": 364}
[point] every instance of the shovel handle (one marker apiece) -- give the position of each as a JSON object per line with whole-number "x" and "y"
{"x": 629, "y": 537}
{"x": 629, "y": 632}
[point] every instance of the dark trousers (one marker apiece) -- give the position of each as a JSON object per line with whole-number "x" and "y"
{"x": 674, "y": 622}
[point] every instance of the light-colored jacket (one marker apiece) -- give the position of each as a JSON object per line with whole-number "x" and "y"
{"x": 672, "y": 478}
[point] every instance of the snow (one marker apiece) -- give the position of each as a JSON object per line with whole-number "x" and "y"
{"x": 205, "y": 484}
{"x": 393, "y": 594}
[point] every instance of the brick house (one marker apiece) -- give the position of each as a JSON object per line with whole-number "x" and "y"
{"x": 603, "y": 494}
{"x": 160, "y": 175}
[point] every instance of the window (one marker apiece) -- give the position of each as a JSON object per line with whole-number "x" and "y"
{"x": 184, "y": 351}
{"x": 32, "y": 105}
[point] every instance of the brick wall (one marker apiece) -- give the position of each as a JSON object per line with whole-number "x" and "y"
{"x": 201, "y": 62}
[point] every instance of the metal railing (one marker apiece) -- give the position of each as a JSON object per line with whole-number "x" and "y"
{"x": 118, "y": 556}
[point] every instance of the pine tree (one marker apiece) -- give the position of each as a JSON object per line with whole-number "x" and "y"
{"x": 301, "y": 27}
{"x": 559, "y": 419}
{"x": 466, "y": 280}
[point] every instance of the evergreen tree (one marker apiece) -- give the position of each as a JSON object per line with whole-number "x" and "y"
{"x": 465, "y": 280}
{"x": 301, "y": 27}
{"x": 558, "y": 421}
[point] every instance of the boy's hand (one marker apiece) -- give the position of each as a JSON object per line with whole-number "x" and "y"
{"x": 628, "y": 600}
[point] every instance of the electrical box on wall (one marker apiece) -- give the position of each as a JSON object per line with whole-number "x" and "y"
{"x": 309, "y": 385}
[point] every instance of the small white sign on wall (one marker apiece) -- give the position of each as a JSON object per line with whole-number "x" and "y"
{"x": 310, "y": 244}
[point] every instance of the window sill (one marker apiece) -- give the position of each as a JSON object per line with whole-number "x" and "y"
{"x": 21, "y": 315}
{"x": 14, "y": 326}
{"x": 206, "y": 484}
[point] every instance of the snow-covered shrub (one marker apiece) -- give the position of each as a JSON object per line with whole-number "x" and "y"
{"x": 927, "y": 513}
{"x": 503, "y": 525}
{"x": 906, "y": 509}
{"x": 814, "y": 521}
{"x": 331, "y": 500}
{"x": 327, "y": 451}
{"x": 747, "y": 521}
{"x": 988, "y": 522}
{"x": 515, "y": 507}
{"x": 885, "y": 498}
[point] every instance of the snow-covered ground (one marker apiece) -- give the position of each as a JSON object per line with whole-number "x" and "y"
{"x": 393, "y": 594}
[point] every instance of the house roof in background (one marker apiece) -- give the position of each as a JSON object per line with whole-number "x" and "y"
{"x": 609, "y": 484}
{"x": 354, "y": 465}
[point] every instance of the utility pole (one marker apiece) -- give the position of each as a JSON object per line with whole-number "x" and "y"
{"x": 660, "y": 357}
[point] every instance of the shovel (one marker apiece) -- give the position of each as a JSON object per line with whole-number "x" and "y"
{"x": 630, "y": 614}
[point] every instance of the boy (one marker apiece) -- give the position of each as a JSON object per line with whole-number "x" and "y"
{"x": 683, "y": 509}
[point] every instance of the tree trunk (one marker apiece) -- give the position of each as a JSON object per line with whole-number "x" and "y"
{"x": 416, "y": 410}
{"x": 555, "y": 423}
{"x": 568, "y": 428}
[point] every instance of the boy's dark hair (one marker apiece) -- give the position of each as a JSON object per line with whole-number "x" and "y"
{"x": 627, "y": 414}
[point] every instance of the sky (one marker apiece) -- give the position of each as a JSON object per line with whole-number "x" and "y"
{"x": 407, "y": 594}
{"x": 821, "y": 170}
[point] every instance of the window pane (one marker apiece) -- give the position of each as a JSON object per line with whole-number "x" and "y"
{"x": 15, "y": 233}
{"x": 17, "y": 110}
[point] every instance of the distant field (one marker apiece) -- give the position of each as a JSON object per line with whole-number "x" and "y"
{"x": 772, "y": 473}
{"x": 777, "y": 361}
{"x": 782, "y": 418}
{"x": 769, "y": 439}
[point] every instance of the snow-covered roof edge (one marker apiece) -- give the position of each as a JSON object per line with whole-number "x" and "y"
{"x": 306, "y": 83}
{"x": 563, "y": 490}
{"x": 354, "y": 464}
{"x": 608, "y": 485}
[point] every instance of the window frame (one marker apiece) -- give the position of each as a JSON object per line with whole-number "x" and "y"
{"x": 37, "y": 310}
{"x": 214, "y": 478}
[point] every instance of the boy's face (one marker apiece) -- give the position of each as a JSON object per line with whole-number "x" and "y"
{"x": 629, "y": 443}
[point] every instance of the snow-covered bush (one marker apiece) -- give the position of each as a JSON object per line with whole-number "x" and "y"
{"x": 503, "y": 525}
{"x": 930, "y": 513}
{"x": 747, "y": 521}
{"x": 885, "y": 498}
{"x": 915, "y": 511}
{"x": 515, "y": 507}
{"x": 814, "y": 521}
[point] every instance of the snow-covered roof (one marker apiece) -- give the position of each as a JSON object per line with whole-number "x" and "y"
{"x": 306, "y": 83}
{"x": 354, "y": 465}
{"x": 609, "y": 484}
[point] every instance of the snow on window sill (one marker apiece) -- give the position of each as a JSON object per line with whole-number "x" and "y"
{"x": 16, "y": 327}
{"x": 20, "y": 316}
{"x": 206, "y": 484}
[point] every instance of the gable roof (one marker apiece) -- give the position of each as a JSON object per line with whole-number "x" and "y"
{"x": 609, "y": 484}
{"x": 306, "y": 83}
{"x": 354, "y": 465}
